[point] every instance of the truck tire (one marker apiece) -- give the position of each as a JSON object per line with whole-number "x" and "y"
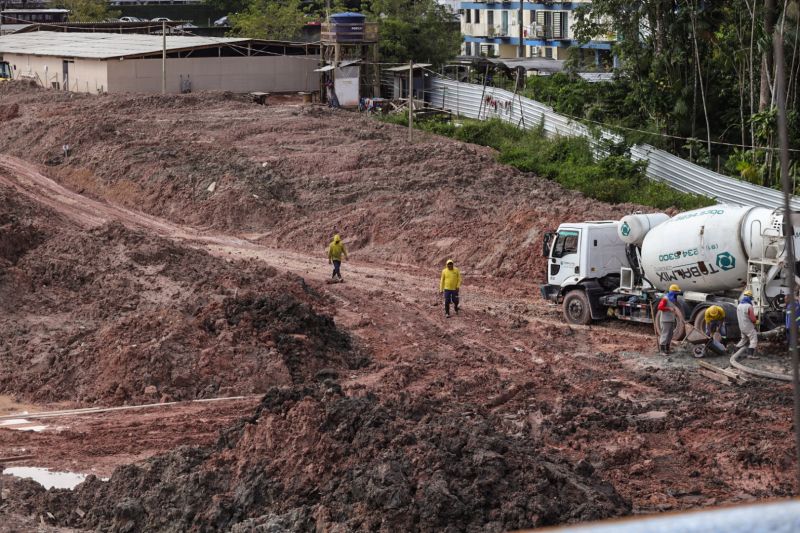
{"x": 576, "y": 308}
{"x": 680, "y": 327}
{"x": 700, "y": 321}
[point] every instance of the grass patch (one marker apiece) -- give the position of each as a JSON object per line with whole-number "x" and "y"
{"x": 566, "y": 160}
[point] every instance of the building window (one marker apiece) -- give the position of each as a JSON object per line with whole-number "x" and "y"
{"x": 468, "y": 49}
{"x": 468, "y": 15}
{"x": 533, "y": 16}
{"x": 548, "y": 52}
{"x": 560, "y": 24}
{"x": 477, "y": 16}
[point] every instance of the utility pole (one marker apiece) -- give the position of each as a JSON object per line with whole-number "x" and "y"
{"x": 520, "y": 23}
{"x": 410, "y": 99}
{"x": 163, "y": 57}
{"x": 788, "y": 232}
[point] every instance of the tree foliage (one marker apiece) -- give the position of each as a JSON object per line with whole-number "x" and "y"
{"x": 87, "y": 10}
{"x": 280, "y": 20}
{"x": 701, "y": 71}
{"x": 415, "y": 30}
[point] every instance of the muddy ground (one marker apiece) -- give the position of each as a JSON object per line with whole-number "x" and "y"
{"x": 127, "y": 278}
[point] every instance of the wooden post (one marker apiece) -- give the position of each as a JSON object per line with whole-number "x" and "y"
{"x": 516, "y": 95}
{"x": 410, "y": 99}
{"x": 163, "y": 57}
{"x": 483, "y": 92}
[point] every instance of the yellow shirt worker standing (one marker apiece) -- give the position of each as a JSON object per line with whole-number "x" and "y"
{"x": 336, "y": 252}
{"x": 449, "y": 284}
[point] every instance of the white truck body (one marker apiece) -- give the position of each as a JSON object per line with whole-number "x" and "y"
{"x": 621, "y": 268}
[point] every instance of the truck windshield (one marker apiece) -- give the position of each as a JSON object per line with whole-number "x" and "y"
{"x": 5, "y": 72}
{"x": 566, "y": 243}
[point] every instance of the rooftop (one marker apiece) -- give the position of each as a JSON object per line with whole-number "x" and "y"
{"x": 35, "y": 11}
{"x": 102, "y": 45}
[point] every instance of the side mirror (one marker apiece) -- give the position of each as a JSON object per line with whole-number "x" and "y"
{"x": 547, "y": 243}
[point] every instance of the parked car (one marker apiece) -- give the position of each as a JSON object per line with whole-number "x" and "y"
{"x": 130, "y": 19}
{"x": 161, "y": 19}
{"x": 222, "y": 21}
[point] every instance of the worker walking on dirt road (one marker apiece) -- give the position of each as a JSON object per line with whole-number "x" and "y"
{"x": 668, "y": 318}
{"x": 336, "y": 251}
{"x": 746, "y": 315}
{"x": 714, "y": 318}
{"x": 449, "y": 284}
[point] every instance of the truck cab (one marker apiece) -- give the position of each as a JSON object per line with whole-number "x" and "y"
{"x": 584, "y": 262}
{"x": 5, "y": 71}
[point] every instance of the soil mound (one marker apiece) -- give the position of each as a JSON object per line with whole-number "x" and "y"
{"x": 114, "y": 316}
{"x": 295, "y": 175}
{"x": 312, "y": 459}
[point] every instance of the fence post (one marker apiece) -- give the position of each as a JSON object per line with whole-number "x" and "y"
{"x": 410, "y": 98}
{"x": 483, "y": 92}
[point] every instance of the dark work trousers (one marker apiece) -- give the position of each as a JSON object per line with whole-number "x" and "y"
{"x": 336, "y": 272}
{"x": 450, "y": 296}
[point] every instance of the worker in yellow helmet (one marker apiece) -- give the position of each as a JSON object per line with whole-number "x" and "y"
{"x": 714, "y": 318}
{"x": 336, "y": 252}
{"x": 669, "y": 309}
{"x": 745, "y": 314}
{"x": 449, "y": 284}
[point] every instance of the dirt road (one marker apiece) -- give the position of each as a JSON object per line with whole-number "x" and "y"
{"x": 666, "y": 438}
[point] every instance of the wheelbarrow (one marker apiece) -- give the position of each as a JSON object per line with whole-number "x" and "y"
{"x": 702, "y": 343}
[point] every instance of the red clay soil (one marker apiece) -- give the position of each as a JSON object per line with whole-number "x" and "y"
{"x": 294, "y": 175}
{"x": 113, "y": 316}
{"x": 362, "y": 434}
{"x": 311, "y": 458}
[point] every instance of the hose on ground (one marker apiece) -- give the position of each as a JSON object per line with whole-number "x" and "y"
{"x": 755, "y": 371}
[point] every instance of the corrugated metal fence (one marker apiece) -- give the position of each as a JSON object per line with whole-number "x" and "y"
{"x": 469, "y": 100}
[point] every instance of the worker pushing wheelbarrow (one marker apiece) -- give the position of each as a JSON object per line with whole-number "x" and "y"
{"x": 711, "y": 338}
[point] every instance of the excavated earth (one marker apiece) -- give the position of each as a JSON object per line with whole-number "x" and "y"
{"x": 175, "y": 251}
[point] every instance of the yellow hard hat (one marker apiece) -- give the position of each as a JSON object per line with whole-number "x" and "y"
{"x": 748, "y": 292}
{"x": 449, "y": 262}
{"x": 674, "y": 288}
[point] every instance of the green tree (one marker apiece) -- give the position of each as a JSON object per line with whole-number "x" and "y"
{"x": 266, "y": 19}
{"x": 87, "y": 10}
{"x": 420, "y": 30}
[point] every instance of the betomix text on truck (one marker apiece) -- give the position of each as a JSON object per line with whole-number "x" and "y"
{"x": 621, "y": 268}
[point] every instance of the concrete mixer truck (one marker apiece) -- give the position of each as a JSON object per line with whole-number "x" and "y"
{"x": 620, "y": 269}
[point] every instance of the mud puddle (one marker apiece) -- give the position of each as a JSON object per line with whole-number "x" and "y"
{"x": 47, "y": 478}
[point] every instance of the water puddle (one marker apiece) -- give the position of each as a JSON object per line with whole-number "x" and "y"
{"x": 46, "y": 478}
{"x": 23, "y": 424}
{"x": 14, "y": 422}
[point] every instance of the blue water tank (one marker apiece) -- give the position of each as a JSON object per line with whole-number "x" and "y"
{"x": 348, "y": 18}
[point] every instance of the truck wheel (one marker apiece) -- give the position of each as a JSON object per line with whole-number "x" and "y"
{"x": 700, "y": 322}
{"x": 576, "y": 308}
{"x": 680, "y": 327}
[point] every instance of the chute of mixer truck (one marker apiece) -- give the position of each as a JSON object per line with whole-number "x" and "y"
{"x": 619, "y": 269}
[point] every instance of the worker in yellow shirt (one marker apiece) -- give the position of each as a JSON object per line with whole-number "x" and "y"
{"x": 449, "y": 285}
{"x": 714, "y": 318}
{"x": 336, "y": 252}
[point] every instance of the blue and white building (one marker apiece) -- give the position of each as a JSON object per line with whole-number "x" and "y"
{"x": 492, "y": 28}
